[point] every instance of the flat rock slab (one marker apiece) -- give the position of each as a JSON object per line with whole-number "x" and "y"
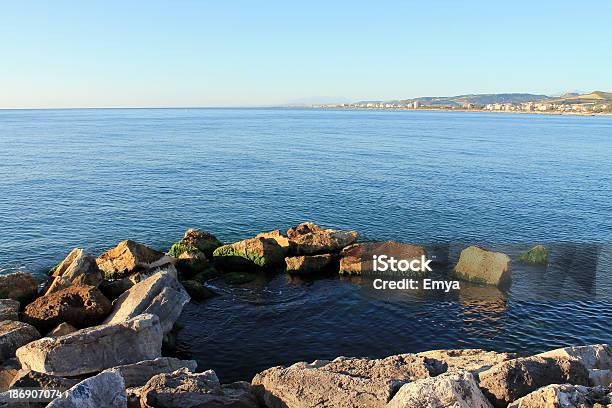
{"x": 80, "y": 306}
{"x": 566, "y": 396}
{"x": 105, "y": 390}
{"x": 510, "y": 380}
{"x": 32, "y": 379}
{"x": 14, "y": 334}
{"x": 9, "y": 309}
{"x": 449, "y": 390}
{"x": 95, "y": 349}
{"x": 126, "y": 258}
{"x": 472, "y": 360}
{"x": 341, "y": 383}
{"x": 137, "y": 374}
{"x": 160, "y": 294}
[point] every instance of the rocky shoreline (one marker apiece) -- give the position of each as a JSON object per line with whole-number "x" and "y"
{"x": 100, "y": 329}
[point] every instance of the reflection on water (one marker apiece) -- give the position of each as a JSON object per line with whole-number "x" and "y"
{"x": 281, "y": 319}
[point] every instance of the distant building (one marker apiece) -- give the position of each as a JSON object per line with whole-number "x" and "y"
{"x": 416, "y": 105}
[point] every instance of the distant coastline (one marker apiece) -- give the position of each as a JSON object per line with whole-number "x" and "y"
{"x": 548, "y": 113}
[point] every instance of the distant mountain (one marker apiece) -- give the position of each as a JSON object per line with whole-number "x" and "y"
{"x": 593, "y": 97}
{"x": 477, "y": 99}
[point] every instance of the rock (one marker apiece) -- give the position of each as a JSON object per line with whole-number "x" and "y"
{"x": 126, "y": 258}
{"x": 62, "y": 329}
{"x": 310, "y": 239}
{"x": 309, "y": 264}
{"x": 112, "y": 289}
{"x": 182, "y": 389}
{"x": 137, "y": 374}
{"x": 197, "y": 291}
{"x": 95, "y": 349}
{"x": 565, "y": 396}
{"x": 451, "y": 390}
{"x": 191, "y": 263}
{"x": 252, "y": 252}
{"x": 133, "y": 397}
{"x": 32, "y": 379}
{"x": 510, "y": 380}
{"x": 482, "y": 266}
{"x": 358, "y": 258}
{"x": 536, "y": 255}
{"x": 341, "y": 383}
{"x": 238, "y": 278}
{"x": 472, "y": 360}
{"x": 8, "y": 371}
{"x": 80, "y": 306}
{"x": 9, "y": 309}
{"x": 18, "y": 286}
{"x": 161, "y": 294}
{"x": 78, "y": 268}
{"x": 14, "y": 334}
{"x": 596, "y": 358}
{"x": 280, "y": 239}
{"x": 195, "y": 241}
{"x": 105, "y": 390}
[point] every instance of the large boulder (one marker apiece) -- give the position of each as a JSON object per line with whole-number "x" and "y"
{"x": 137, "y": 374}
{"x": 126, "y": 258}
{"x": 303, "y": 265}
{"x": 62, "y": 329}
{"x": 32, "y": 379}
{"x": 160, "y": 294}
{"x": 78, "y": 268}
{"x": 19, "y": 286}
{"x": 450, "y": 390}
{"x": 566, "y": 396}
{"x": 8, "y": 370}
{"x": 95, "y": 349}
{"x": 105, "y": 390}
{"x": 341, "y": 383}
{"x": 309, "y": 239}
{"x": 80, "y": 306}
{"x": 253, "y": 252}
{"x": 183, "y": 389}
{"x": 9, "y": 309}
{"x": 472, "y": 360}
{"x": 358, "y": 258}
{"x": 195, "y": 241}
{"x": 282, "y": 240}
{"x": 510, "y": 380}
{"x": 596, "y": 358}
{"x": 481, "y": 266}
{"x": 14, "y": 334}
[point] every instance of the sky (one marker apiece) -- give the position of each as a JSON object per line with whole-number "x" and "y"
{"x": 248, "y": 53}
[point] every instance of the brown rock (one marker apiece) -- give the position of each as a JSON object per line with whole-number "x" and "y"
{"x": 9, "y": 309}
{"x": 597, "y": 358}
{"x": 358, "y": 258}
{"x": 14, "y": 334}
{"x": 62, "y": 329}
{"x": 8, "y": 371}
{"x": 195, "y": 241}
{"x": 303, "y": 229}
{"x": 309, "y": 264}
{"x": 565, "y": 396}
{"x": 310, "y": 239}
{"x": 31, "y": 379}
{"x": 249, "y": 253}
{"x": 510, "y": 380}
{"x": 472, "y": 360}
{"x": 80, "y": 306}
{"x": 126, "y": 258}
{"x": 342, "y": 383}
{"x": 278, "y": 236}
{"x": 78, "y": 268}
{"x": 481, "y": 266}
{"x": 19, "y": 286}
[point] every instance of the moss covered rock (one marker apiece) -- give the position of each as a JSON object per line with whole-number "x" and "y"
{"x": 195, "y": 241}
{"x": 197, "y": 290}
{"x": 536, "y": 255}
{"x": 258, "y": 252}
{"x": 190, "y": 263}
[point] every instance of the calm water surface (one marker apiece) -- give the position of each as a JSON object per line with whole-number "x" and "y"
{"x": 91, "y": 178}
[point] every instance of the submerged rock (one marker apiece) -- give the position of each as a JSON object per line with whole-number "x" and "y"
{"x": 249, "y": 253}
{"x": 95, "y": 349}
{"x": 238, "y": 278}
{"x": 472, "y": 360}
{"x": 14, "y": 334}
{"x": 510, "y": 380}
{"x": 161, "y": 294}
{"x": 80, "y": 306}
{"x": 9, "y": 309}
{"x": 197, "y": 291}
{"x": 536, "y": 255}
{"x": 566, "y": 396}
{"x": 343, "y": 382}
{"x": 309, "y": 239}
{"x": 309, "y": 264}
{"x": 78, "y": 268}
{"x": 450, "y": 390}
{"x": 183, "y": 389}
{"x": 20, "y": 286}
{"x": 137, "y": 374}
{"x": 481, "y": 266}
{"x": 195, "y": 241}
{"x": 358, "y": 258}
{"x": 105, "y": 390}
{"x": 126, "y": 258}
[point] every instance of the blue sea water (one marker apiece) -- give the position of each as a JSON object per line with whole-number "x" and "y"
{"x": 91, "y": 178}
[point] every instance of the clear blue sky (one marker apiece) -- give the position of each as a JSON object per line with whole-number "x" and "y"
{"x": 244, "y": 53}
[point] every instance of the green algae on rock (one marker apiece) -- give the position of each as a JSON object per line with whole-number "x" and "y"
{"x": 258, "y": 251}
{"x": 195, "y": 241}
{"x": 536, "y": 255}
